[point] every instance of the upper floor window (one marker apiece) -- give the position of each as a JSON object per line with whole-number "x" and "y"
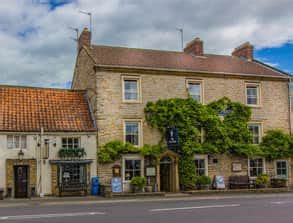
{"x": 255, "y": 130}
{"x": 16, "y": 142}
{"x": 132, "y": 132}
{"x": 253, "y": 94}
{"x": 70, "y": 142}
{"x": 195, "y": 91}
{"x": 131, "y": 89}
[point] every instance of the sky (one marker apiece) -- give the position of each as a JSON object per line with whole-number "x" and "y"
{"x": 36, "y": 46}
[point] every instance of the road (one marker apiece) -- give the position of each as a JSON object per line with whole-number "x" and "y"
{"x": 252, "y": 209}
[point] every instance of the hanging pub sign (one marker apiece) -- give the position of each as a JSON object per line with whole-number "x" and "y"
{"x": 172, "y": 137}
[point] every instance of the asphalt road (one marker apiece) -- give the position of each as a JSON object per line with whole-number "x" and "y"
{"x": 249, "y": 209}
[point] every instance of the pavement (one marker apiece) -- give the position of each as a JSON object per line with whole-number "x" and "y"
{"x": 252, "y": 208}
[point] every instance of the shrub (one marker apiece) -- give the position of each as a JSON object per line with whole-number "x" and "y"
{"x": 139, "y": 182}
{"x": 262, "y": 180}
{"x": 203, "y": 180}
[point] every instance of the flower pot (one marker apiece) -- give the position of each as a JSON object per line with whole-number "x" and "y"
{"x": 136, "y": 189}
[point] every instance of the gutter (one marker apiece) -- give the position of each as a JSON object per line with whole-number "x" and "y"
{"x": 290, "y": 105}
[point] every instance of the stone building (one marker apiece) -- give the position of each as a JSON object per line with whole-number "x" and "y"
{"x": 39, "y": 129}
{"x": 120, "y": 81}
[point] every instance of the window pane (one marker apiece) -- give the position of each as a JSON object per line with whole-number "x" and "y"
{"x": 23, "y": 142}
{"x": 132, "y": 132}
{"x": 282, "y": 168}
{"x": 200, "y": 167}
{"x": 252, "y": 95}
{"x": 255, "y": 167}
{"x": 16, "y": 142}
{"x": 255, "y": 131}
{"x": 130, "y": 90}
{"x": 195, "y": 91}
{"x": 132, "y": 168}
{"x": 10, "y": 142}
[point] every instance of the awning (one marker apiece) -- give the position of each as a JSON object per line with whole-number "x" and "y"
{"x": 70, "y": 161}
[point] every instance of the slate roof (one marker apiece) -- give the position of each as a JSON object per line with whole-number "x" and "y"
{"x": 27, "y": 109}
{"x": 145, "y": 58}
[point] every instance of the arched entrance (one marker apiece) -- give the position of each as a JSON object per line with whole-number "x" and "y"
{"x": 167, "y": 168}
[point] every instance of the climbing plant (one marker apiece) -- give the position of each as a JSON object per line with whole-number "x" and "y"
{"x": 192, "y": 119}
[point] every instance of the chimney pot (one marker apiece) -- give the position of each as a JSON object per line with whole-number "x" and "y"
{"x": 245, "y": 50}
{"x": 194, "y": 47}
{"x": 84, "y": 38}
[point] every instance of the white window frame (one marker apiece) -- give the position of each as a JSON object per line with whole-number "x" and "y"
{"x": 132, "y": 157}
{"x": 132, "y": 78}
{"x": 260, "y": 133}
{"x": 287, "y": 169}
{"x": 263, "y": 167}
{"x": 14, "y": 140}
{"x": 140, "y": 134}
{"x": 258, "y": 90}
{"x": 198, "y": 82}
{"x": 71, "y": 137}
{"x": 205, "y": 158}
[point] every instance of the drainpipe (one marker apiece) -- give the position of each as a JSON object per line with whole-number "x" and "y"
{"x": 290, "y": 106}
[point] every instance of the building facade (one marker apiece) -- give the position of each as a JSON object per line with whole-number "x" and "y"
{"x": 120, "y": 81}
{"x": 39, "y": 129}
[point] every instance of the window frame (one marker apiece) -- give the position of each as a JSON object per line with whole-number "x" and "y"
{"x": 71, "y": 137}
{"x": 132, "y": 78}
{"x": 132, "y": 157}
{"x": 276, "y": 169}
{"x": 263, "y": 166}
{"x": 20, "y": 142}
{"x": 198, "y": 82}
{"x": 260, "y": 131}
{"x": 205, "y": 158}
{"x": 258, "y": 90}
{"x": 139, "y": 121}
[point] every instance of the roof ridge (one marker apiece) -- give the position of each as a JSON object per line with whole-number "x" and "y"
{"x": 40, "y": 88}
{"x": 142, "y": 49}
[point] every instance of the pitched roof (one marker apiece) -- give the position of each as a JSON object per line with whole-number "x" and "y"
{"x": 27, "y": 109}
{"x": 145, "y": 58}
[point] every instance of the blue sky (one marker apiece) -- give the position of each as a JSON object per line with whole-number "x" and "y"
{"x": 279, "y": 57}
{"x": 37, "y": 47}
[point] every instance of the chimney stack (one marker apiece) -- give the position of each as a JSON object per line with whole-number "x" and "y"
{"x": 194, "y": 47}
{"x": 245, "y": 50}
{"x": 84, "y": 38}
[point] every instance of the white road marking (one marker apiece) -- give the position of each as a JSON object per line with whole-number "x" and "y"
{"x": 196, "y": 207}
{"x": 57, "y": 215}
{"x": 281, "y": 202}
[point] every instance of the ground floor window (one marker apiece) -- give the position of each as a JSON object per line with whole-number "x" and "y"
{"x": 256, "y": 167}
{"x": 200, "y": 165}
{"x": 282, "y": 168}
{"x": 73, "y": 173}
{"x": 132, "y": 168}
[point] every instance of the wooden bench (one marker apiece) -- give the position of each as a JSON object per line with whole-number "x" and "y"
{"x": 240, "y": 182}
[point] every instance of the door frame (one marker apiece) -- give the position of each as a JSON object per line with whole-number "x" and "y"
{"x": 15, "y": 181}
{"x": 174, "y": 183}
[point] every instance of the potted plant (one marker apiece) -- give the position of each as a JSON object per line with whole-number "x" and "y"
{"x": 203, "y": 182}
{"x": 138, "y": 183}
{"x": 262, "y": 181}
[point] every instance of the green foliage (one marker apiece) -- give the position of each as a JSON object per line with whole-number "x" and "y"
{"x": 113, "y": 150}
{"x": 276, "y": 144}
{"x": 190, "y": 117}
{"x": 71, "y": 153}
{"x": 203, "y": 180}
{"x": 138, "y": 181}
{"x": 262, "y": 180}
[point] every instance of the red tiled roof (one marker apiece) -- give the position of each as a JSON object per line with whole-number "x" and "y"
{"x": 131, "y": 57}
{"x": 26, "y": 109}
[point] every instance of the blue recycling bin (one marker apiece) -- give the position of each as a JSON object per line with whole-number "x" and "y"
{"x": 95, "y": 185}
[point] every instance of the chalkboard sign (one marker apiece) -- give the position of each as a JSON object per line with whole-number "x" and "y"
{"x": 116, "y": 184}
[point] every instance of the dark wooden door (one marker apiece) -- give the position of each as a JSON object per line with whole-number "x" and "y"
{"x": 165, "y": 174}
{"x": 21, "y": 181}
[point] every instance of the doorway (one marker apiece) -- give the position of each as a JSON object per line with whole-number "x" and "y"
{"x": 21, "y": 181}
{"x": 165, "y": 174}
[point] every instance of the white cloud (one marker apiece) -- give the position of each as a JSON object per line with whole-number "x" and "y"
{"x": 36, "y": 49}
